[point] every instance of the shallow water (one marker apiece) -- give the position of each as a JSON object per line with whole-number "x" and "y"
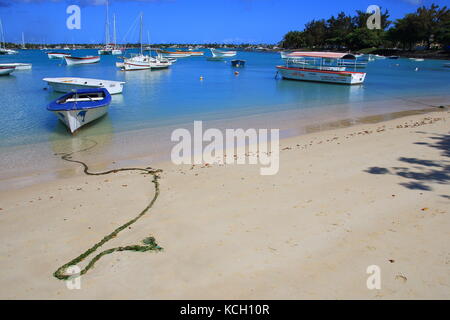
{"x": 159, "y": 99}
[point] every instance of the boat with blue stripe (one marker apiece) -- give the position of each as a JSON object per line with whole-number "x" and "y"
{"x": 79, "y": 107}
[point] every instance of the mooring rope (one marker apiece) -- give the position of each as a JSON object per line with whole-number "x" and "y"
{"x": 149, "y": 243}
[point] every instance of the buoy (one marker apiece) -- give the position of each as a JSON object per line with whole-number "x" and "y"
{"x": 417, "y": 69}
{"x": 236, "y": 73}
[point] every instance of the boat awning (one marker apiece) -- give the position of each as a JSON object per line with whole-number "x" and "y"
{"x": 317, "y": 54}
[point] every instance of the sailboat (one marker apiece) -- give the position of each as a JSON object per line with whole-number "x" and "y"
{"x": 3, "y": 49}
{"x": 23, "y": 42}
{"x": 109, "y": 49}
{"x": 143, "y": 62}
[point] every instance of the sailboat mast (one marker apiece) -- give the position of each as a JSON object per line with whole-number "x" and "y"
{"x": 107, "y": 24}
{"x": 23, "y": 41}
{"x": 114, "y": 23}
{"x": 140, "y": 35}
{"x": 2, "y": 38}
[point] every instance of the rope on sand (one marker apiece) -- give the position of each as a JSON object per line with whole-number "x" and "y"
{"x": 149, "y": 243}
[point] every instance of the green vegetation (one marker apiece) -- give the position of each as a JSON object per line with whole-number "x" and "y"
{"x": 429, "y": 27}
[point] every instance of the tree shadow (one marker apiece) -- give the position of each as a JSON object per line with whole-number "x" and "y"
{"x": 421, "y": 173}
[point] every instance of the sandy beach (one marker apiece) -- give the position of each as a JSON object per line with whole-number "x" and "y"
{"x": 344, "y": 199}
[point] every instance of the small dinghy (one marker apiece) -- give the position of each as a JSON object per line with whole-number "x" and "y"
{"x": 238, "y": 63}
{"x": 4, "y": 71}
{"x": 57, "y": 55}
{"x": 18, "y": 66}
{"x": 68, "y": 84}
{"x": 80, "y": 107}
{"x": 81, "y": 60}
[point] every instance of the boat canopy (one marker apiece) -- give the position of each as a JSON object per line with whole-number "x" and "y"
{"x": 318, "y": 54}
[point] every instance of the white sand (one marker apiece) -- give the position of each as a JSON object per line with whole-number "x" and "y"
{"x": 229, "y": 233}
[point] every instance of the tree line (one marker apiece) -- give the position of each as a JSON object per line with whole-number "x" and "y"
{"x": 427, "y": 26}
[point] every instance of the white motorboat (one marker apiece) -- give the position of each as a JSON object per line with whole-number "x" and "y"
{"x": 58, "y": 55}
{"x": 222, "y": 54}
{"x": 18, "y": 66}
{"x": 68, "y": 84}
{"x": 77, "y": 108}
{"x": 322, "y": 67}
{"x": 417, "y": 59}
{"x": 71, "y": 61}
{"x": 4, "y": 71}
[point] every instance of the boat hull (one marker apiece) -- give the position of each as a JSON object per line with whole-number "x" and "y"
{"x": 341, "y": 77}
{"x": 223, "y": 54}
{"x": 71, "y": 61}
{"x": 66, "y": 85}
{"x": 75, "y": 119}
{"x": 57, "y": 55}
{"x": 4, "y": 71}
{"x": 18, "y": 66}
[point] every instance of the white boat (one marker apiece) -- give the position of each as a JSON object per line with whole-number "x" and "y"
{"x": 143, "y": 62}
{"x": 57, "y": 55}
{"x": 4, "y": 71}
{"x": 3, "y": 49}
{"x": 222, "y": 54}
{"x": 18, "y": 66}
{"x": 319, "y": 68}
{"x": 110, "y": 48}
{"x": 77, "y": 108}
{"x": 81, "y": 60}
{"x": 447, "y": 65}
{"x": 417, "y": 59}
{"x": 68, "y": 84}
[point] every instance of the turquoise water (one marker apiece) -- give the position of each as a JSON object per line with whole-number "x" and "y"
{"x": 164, "y": 97}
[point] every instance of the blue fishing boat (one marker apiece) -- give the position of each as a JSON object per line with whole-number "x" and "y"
{"x": 80, "y": 107}
{"x": 238, "y": 63}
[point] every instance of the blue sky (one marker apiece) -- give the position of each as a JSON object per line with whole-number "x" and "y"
{"x": 181, "y": 21}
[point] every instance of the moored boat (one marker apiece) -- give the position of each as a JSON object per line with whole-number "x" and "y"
{"x": 393, "y": 57}
{"x": 57, "y": 55}
{"x": 68, "y": 84}
{"x": 320, "y": 67}
{"x": 4, "y": 71}
{"x": 18, "y": 66}
{"x": 417, "y": 59}
{"x": 81, "y": 60}
{"x": 175, "y": 54}
{"x": 222, "y": 54}
{"x": 75, "y": 109}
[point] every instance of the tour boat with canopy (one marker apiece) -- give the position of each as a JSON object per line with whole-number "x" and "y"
{"x": 321, "y": 67}
{"x": 80, "y": 107}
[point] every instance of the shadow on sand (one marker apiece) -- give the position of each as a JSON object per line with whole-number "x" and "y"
{"x": 420, "y": 173}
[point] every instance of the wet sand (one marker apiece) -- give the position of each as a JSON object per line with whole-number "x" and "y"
{"x": 344, "y": 199}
